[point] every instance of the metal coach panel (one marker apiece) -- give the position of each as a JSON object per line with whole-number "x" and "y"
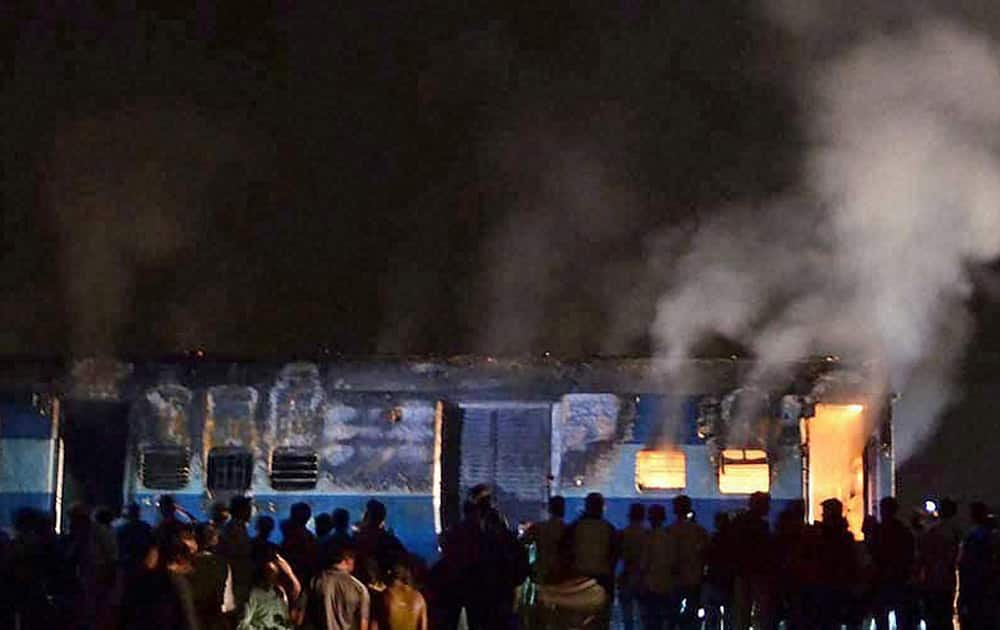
{"x": 507, "y": 445}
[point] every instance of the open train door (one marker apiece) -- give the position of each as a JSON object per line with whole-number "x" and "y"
{"x": 504, "y": 444}
{"x": 95, "y": 434}
{"x": 836, "y": 460}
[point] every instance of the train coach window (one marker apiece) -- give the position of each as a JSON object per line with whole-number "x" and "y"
{"x": 165, "y": 468}
{"x": 660, "y": 470}
{"x": 294, "y": 469}
{"x": 744, "y": 471}
{"x": 229, "y": 469}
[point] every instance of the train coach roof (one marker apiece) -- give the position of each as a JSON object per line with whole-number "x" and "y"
{"x": 113, "y": 379}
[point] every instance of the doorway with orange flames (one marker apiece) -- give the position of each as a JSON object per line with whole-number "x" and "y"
{"x": 835, "y": 438}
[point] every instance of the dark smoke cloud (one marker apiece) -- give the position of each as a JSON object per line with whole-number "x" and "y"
{"x": 125, "y": 191}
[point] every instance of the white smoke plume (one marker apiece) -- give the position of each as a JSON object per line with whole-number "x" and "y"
{"x": 872, "y": 258}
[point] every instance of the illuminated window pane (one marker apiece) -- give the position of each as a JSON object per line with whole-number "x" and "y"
{"x": 660, "y": 470}
{"x": 744, "y": 471}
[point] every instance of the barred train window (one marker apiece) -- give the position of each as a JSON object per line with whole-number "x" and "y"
{"x": 165, "y": 467}
{"x": 229, "y": 468}
{"x": 660, "y": 470}
{"x": 744, "y": 471}
{"x": 294, "y": 469}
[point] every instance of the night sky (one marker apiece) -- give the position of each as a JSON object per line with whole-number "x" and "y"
{"x": 279, "y": 179}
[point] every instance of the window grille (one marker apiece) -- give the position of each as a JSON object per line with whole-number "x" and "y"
{"x": 294, "y": 469}
{"x": 229, "y": 468}
{"x": 165, "y": 468}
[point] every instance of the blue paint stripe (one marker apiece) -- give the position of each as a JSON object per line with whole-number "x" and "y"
{"x": 411, "y": 517}
{"x": 25, "y": 466}
{"x": 616, "y": 510}
{"x": 19, "y": 421}
{"x": 11, "y": 502}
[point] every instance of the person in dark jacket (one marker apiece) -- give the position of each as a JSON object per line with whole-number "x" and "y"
{"x": 893, "y": 553}
{"x": 754, "y": 583}
{"x": 135, "y": 536}
{"x": 377, "y": 548}
{"x": 484, "y": 563}
{"x": 298, "y": 544}
{"x": 977, "y": 572}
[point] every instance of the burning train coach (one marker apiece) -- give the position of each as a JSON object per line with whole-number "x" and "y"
{"x": 417, "y": 434}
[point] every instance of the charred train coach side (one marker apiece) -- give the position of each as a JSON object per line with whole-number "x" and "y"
{"x": 416, "y": 436}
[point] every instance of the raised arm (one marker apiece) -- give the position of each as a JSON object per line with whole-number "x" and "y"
{"x": 293, "y": 582}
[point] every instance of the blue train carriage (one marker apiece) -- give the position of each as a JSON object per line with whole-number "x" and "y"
{"x": 337, "y": 446}
{"x": 164, "y": 457}
{"x": 31, "y": 457}
{"x": 718, "y": 449}
{"x": 295, "y": 442}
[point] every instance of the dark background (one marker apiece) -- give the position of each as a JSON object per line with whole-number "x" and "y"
{"x": 282, "y": 179}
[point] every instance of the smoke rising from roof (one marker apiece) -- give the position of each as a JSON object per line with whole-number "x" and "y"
{"x": 872, "y": 257}
{"x": 124, "y": 191}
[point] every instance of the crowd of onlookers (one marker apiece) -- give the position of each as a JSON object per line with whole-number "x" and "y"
{"x": 327, "y": 573}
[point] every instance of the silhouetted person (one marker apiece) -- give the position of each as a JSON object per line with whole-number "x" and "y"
{"x": 482, "y": 563}
{"x": 261, "y": 545}
{"x": 690, "y": 542}
{"x": 828, "y": 601}
{"x": 134, "y": 538}
{"x": 937, "y": 555}
{"x": 977, "y": 572}
{"x": 339, "y": 534}
{"x": 720, "y": 572}
{"x": 593, "y": 544}
{"x": 324, "y": 525}
{"x": 657, "y": 561}
{"x": 546, "y": 536}
{"x": 337, "y": 600}
{"x": 893, "y": 552}
{"x": 211, "y": 581}
{"x": 159, "y": 596}
{"x": 106, "y": 564}
{"x": 220, "y": 515}
{"x": 630, "y": 581}
{"x": 237, "y": 548}
{"x": 82, "y": 558}
{"x": 298, "y": 544}
{"x": 32, "y": 571}
{"x": 787, "y": 543}
{"x": 755, "y": 559}
{"x": 377, "y": 549}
